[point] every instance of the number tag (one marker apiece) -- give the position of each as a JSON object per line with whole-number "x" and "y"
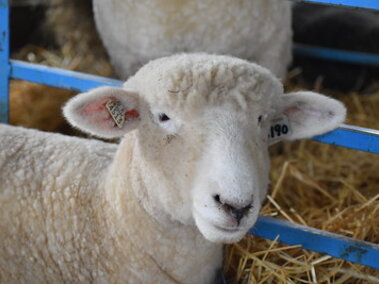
{"x": 117, "y": 111}
{"x": 279, "y": 129}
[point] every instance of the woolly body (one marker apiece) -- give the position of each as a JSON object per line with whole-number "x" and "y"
{"x": 155, "y": 208}
{"x": 58, "y": 220}
{"x": 136, "y": 32}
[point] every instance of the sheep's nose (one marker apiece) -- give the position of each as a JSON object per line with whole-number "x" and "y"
{"x": 237, "y": 213}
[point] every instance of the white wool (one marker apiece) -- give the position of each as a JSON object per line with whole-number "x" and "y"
{"x": 157, "y": 207}
{"x": 57, "y": 226}
{"x": 135, "y": 32}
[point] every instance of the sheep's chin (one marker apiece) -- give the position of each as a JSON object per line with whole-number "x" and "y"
{"x": 217, "y": 234}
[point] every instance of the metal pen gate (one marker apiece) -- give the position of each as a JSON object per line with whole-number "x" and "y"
{"x": 348, "y": 136}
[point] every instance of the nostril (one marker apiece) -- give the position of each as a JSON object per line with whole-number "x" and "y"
{"x": 217, "y": 198}
{"x": 239, "y": 213}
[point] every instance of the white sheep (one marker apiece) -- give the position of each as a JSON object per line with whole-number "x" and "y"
{"x": 135, "y": 32}
{"x": 157, "y": 207}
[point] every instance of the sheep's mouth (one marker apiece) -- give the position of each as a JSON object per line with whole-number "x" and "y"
{"x": 226, "y": 230}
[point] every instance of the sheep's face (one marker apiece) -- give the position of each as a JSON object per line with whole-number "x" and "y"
{"x": 203, "y": 131}
{"x": 232, "y": 174}
{"x": 211, "y": 169}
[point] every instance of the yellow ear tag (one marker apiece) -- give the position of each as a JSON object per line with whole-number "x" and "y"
{"x": 117, "y": 111}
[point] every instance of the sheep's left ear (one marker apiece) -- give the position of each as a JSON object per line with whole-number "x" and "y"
{"x": 105, "y": 112}
{"x": 304, "y": 115}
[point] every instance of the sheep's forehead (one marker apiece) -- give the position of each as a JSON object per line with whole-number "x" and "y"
{"x": 192, "y": 82}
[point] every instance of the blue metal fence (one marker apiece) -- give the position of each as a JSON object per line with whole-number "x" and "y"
{"x": 337, "y": 55}
{"x": 289, "y": 233}
{"x": 4, "y": 60}
{"x": 368, "y": 4}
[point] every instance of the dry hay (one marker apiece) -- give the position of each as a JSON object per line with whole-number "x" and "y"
{"x": 71, "y": 40}
{"x": 322, "y": 186}
{"x": 77, "y": 47}
{"x": 36, "y": 106}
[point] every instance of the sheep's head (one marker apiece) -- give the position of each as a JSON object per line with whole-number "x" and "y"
{"x": 204, "y": 126}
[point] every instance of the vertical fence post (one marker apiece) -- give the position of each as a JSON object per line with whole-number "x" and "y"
{"x": 4, "y": 60}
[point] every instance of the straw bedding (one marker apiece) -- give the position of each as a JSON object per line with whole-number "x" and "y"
{"x": 67, "y": 39}
{"x": 314, "y": 184}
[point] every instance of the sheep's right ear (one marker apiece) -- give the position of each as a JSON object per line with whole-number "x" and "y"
{"x": 304, "y": 115}
{"x": 106, "y": 112}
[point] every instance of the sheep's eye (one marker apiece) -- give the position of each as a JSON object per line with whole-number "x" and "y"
{"x": 163, "y": 117}
{"x": 260, "y": 118}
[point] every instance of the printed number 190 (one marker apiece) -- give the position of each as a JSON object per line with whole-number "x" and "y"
{"x": 278, "y": 130}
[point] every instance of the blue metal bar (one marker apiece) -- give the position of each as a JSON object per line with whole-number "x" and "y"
{"x": 60, "y": 78}
{"x": 337, "y": 55}
{"x": 363, "y": 139}
{"x": 368, "y": 4}
{"x": 4, "y": 61}
{"x": 317, "y": 240}
{"x": 353, "y": 137}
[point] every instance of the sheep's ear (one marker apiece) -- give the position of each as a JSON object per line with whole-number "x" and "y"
{"x": 106, "y": 112}
{"x": 304, "y": 115}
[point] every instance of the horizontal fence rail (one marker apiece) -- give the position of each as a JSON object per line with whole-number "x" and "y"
{"x": 367, "y": 4}
{"x": 317, "y": 240}
{"x": 337, "y": 54}
{"x": 358, "y": 138}
{"x": 353, "y": 137}
{"x": 289, "y": 233}
{"x": 60, "y": 78}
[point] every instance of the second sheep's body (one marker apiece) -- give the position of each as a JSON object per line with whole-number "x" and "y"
{"x": 135, "y": 32}
{"x": 190, "y": 173}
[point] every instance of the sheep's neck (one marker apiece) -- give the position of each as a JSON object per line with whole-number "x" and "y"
{"x": 167, "y": 248}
